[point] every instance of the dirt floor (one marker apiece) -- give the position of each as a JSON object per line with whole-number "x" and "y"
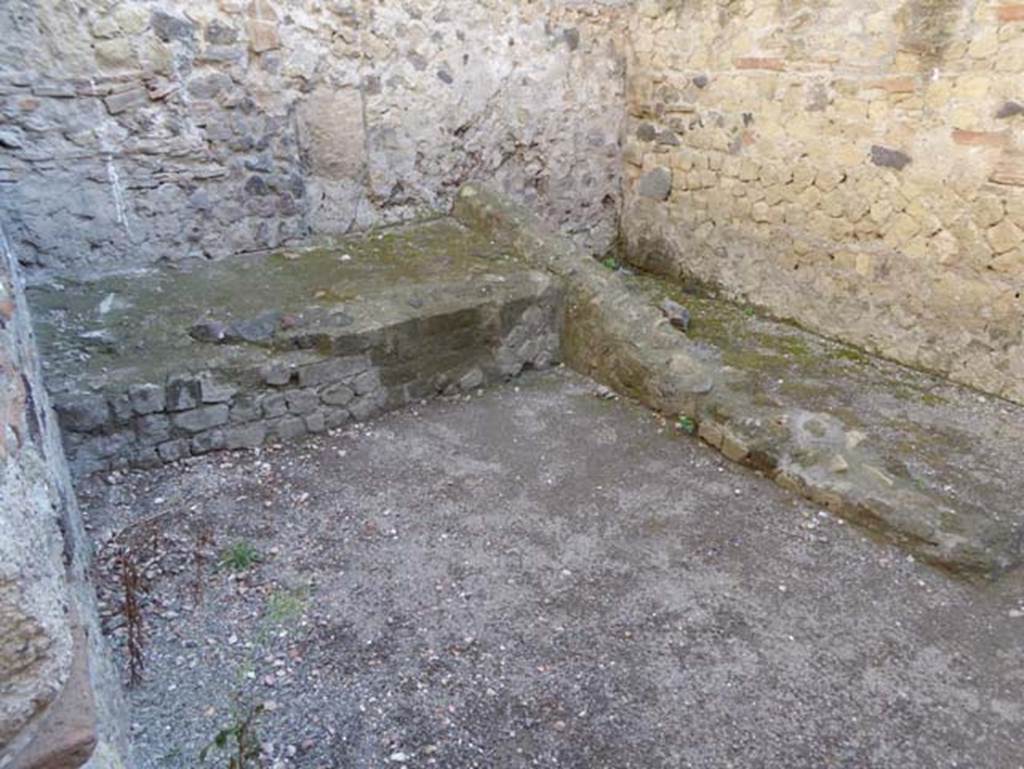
{"x": 542, "y": 576}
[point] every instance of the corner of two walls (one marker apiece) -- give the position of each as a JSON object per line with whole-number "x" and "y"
{"x": 854, "y": 165}
{"x": 60, "y": 702}
{"x": 135, "y": 132}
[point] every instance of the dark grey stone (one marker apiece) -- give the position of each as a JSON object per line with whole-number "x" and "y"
{"x": 255, "y": 330}
{"x": 121, "y": 406}
{"x": 301, "y": 402}
{"x": 213, "y": 392}
{"x": 363, "y": 408}
{"x": 336, "y": 417}
{"x": 889, "y": 158}
{"x": 572, "y": 38}
{"x": 245, "y": 409}
{"x": 220, "y": 33}
{"x": 290, "y": 428}
{"x": 645, "y": 132}
{"x": 668, "y": 139}
{"x": 154, "y": 428}
{"x": 245, "y": 436}
{"x": 701, "y": 81}
{"x": 316, "y": 423}
{"x": 677, "y": 315}
{"x": 183, "y": 393}
{"x": 274, "y": 405}
{"x": 172, "y": 451}
{"x": 1010, "y": 109}
{"x": 170, "y": 28}
{"x": 82, "y": 413}
{"x": 338, "y": 395}
{"x": 333, "y": 370}
{"x": 147, "y": 398}
{"x": 277, "y": 375}
{"x": 656, "y": 184}
{"x": 198, "y": 420}
{"x": 366, "y": 382}
{"x": 204, "y": 443}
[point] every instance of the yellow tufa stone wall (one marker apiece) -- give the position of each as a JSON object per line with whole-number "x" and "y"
{"x": 855, "y": 165}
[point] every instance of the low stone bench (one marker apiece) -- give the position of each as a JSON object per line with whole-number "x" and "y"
{"x": 159, "y": 366}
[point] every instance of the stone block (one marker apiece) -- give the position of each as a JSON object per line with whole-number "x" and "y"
{"x": 201, "y": 419}
{"x": 153, "y": 428}
{"x": 211, "y": 440}
{"x": 147, "y": 398}
{"x": 245, "y": 408}
{"x": 82, "y": 413}
{"x": 263, "y": 27}
{"x": 172, "y": 451}
{"x": 246, "y": 436}
{"x": 289, "y": 428}
{"x": 183, "y": 393}
{"x": 132, "y": 98}
{"x": 302, "y": 402}
{"x": 366, "y": 382}
{"x": 332, "y": 133}
{"x": 213, "y": 392}
{"x": 277, "y": 375}
{"x": 316, "y": 422}
{"x": 338, "y": 395}
{"x": 274, "y": 405}
{"x": 332, "y": 371}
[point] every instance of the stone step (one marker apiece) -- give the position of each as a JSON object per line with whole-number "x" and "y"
{"x": 917, "y": 460}
{"x": 158, "y": 366}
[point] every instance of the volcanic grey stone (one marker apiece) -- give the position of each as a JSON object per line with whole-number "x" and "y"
{"x": 301, "y": 402}
{"x": 274, "y": 405}
{"x": 338, "y": 395}
{"x": 183, "y": 393}
{"x": 147, "y": 398}
{"x": 889, "y": 158}
{"x": 290, "y": 428}
{"x": 83, "y": 413}
{"x": 198, "y": 420}
{"x": 209, "y": 331}
{"x": 255, "y": 330}
{"x": 246, "y": 436}
{"x": 204, "y": 443}
{"x": 170, "y": 28}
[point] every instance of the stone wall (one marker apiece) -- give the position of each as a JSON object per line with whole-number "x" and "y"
{"x": 855, "y": 165}
{"x": 134, "y": 131}
{"x": 58, "y": 696}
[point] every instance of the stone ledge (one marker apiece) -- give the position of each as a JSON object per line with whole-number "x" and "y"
{"x": 915, "y": 459}
{"x": 162, "y": 366}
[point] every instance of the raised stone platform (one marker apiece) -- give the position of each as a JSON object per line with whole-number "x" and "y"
{"x": 163, "y": 364}
{"x": 930, "y": 465}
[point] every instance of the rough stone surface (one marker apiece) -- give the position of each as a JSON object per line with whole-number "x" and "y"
{"x": 137, "y": 131}
{"x": 539, "y": 577}
{"x": 937, "y": 475}
{"x": 850, "y": 165}
{"x": 57, "y": 699}
{"x": 344, "y": 340}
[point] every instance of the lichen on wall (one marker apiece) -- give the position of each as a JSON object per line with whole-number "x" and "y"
{"x": 134, "y": 131}
{"x": 854, "y": 166}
